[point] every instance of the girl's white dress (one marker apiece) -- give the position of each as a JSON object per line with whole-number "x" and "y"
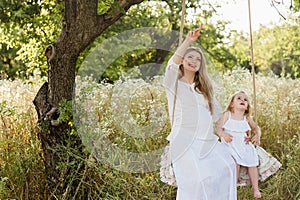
{"x": 244, "y": 153}
{"x": 203, "y": 167}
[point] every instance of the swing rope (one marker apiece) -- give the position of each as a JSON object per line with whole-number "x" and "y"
{"x": 179, "y": 43}
{"x": 252, "y": 63}
{"x": 182, "y": 22}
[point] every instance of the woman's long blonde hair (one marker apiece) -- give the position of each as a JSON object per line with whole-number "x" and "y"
{"x": 202, "y": 80}
{"x": 230, "y": 109}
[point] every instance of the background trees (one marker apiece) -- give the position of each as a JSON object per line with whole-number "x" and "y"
{"x": 276, "y": 49}
{"x": 28, "y": 26}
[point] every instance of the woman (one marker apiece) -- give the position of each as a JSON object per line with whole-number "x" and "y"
{"x": 203, "y": 167}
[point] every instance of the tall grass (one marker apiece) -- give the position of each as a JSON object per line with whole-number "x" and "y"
{"x": 132, "y": 115}
{"x": 21, "y": 166}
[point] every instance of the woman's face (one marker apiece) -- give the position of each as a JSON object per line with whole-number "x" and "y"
{"x": 192, "y": 61}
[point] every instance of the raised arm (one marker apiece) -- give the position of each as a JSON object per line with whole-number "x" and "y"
{"x": 171, "y": 73}
{"x": 190, "y": 38}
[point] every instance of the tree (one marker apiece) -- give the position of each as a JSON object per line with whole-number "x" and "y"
{"x": 82, "y": 23}
{"x": 40, "y": 24}
{"x": 276, "y": 49}
{"x": 296, "y": 5}
{"x": 166, "y": 14}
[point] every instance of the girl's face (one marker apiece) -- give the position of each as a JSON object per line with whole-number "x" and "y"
{"x": 240, "y": 102}
{"x": 192, "y": 61}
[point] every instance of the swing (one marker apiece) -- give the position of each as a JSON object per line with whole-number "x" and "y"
{"x": 268, "y": 165}
{"x": 266, "y": 160}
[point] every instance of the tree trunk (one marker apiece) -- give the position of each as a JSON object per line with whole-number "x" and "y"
{"x": 81, "y": 26}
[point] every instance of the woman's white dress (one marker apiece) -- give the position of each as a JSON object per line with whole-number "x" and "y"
{"x": 244, "y": 153}
{"x": 204, "y": 167}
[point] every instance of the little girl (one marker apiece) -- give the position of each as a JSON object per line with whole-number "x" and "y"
{"x": 235, "y": 129}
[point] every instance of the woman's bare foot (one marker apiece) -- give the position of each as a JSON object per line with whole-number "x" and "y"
{"x": 257, "y": 194}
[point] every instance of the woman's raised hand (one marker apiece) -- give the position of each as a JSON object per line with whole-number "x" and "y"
{"x": 193, "y": 35}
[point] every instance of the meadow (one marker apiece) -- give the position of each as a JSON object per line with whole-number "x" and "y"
{"x": 131, "y": 116}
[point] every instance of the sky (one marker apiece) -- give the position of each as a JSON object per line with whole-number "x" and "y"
{"x": 262, "y": 12}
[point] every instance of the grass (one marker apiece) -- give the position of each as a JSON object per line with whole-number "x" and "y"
{"x": 103, "y": 108}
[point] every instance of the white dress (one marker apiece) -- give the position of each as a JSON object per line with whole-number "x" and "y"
{"x": 203, "y": 167}
{"x": 244, "y": 154}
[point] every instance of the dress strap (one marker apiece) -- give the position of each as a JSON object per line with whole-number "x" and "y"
{"x": 229, "y": 115}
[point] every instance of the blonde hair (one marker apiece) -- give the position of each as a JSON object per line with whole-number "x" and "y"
{"x": 202, "y": 80}
{"x": 229, "y": 107}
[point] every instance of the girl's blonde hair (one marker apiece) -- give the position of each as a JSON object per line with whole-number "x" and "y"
{"x": 229, "y": 107}
{"x": 202, "y": 80}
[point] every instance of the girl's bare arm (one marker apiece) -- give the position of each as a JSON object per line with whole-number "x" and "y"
{"x": 255, "y": 128}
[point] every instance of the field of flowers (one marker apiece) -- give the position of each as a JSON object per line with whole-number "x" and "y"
{"x": 121, "y": 123}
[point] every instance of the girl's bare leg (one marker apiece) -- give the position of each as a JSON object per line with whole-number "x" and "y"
{"x": 238, "y": 172}
{"x": 253, "y": 174}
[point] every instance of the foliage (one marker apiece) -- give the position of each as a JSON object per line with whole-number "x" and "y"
{"x": 276, "y": 48}
{"x": 108, "y": 105}
{"x": 285, "y": 53}
{"x": 296, "y": 6}
{"x": 164, "y": 16}
{"x": 27, "y": 28}
{"x": 65, "y": 111}
{"x": 39, "y": 22}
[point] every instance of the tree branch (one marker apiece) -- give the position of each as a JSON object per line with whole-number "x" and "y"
{"x": 107, "y": 18}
